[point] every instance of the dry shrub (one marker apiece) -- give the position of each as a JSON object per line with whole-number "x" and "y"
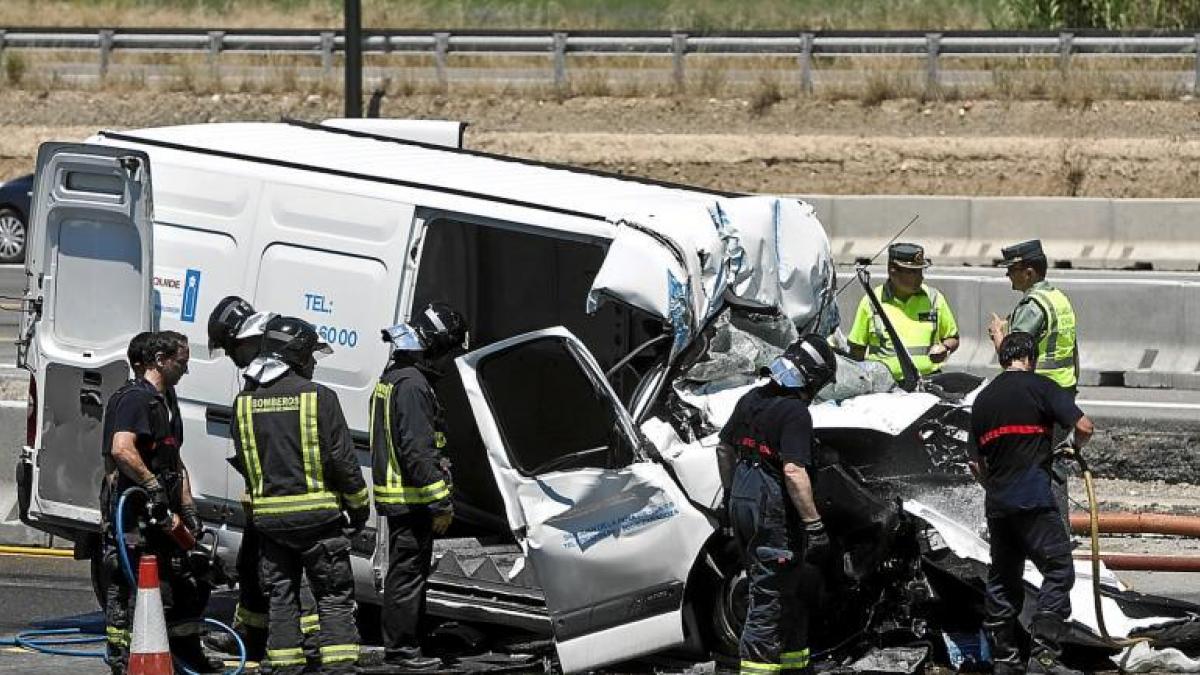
{"x": 886, "y": 85}
{"x": 711, "y": 82}
{"x": 591, "y": 83}
{"x": 767, "y": 93}
{"x": 15, "y": 67}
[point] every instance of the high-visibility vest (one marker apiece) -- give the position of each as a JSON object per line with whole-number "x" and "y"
{"x": 1057, "y": 350}
{"x": 918, "y": 335}
{"x": 298, "y": 494}
{"x": 392, "y": 487}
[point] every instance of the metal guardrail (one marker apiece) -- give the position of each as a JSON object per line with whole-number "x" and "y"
{"x": 930, "y": 46}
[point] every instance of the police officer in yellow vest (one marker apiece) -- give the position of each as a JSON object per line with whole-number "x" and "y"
{"x": 1044, "y": 312}
{"x": 919, "y": 313}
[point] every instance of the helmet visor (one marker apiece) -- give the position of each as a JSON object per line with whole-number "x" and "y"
{"x": 322, "y": 350}
{"x": 254, "y": 325}
{"x": 786, "y": 374}
{"x": 403, "y": 338}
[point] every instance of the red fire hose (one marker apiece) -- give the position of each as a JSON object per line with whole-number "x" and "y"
{"x": 1139, "y": 523}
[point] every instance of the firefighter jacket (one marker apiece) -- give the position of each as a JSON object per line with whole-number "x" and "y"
{"x": 408, "y": 435}
{"x": 299, "y": 461}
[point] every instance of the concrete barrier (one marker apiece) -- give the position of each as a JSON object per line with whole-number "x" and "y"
{"x": 1082, "y": 233}
{"x": 1136, "y": 330}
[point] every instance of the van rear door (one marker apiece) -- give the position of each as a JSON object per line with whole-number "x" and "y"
{"x": 610, "y": 536}
{"x": 89, "y": 274}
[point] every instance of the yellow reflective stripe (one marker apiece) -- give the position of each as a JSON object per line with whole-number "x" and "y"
{"x": 317, "y": 501}
{"x": 250, "y": 459}
{"x": 794, "y": 660}
{"x": 310, "y": 444}
{"x": 412, "y": 495}
{"x": 117, "y": 636}
{"x": 357, "y": 500}
{"x": 339, "y": 653}
{"x": 755, "y": 667}
{"x": 394, "y": 478}
{"x": 248, "y": 618}
{"x": 286, "y": 657}
{"x": 310, "y": 623}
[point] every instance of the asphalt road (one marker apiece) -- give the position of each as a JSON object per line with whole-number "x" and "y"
{"x": 48, "y": 593}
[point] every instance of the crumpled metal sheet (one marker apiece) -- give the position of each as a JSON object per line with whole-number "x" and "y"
{"x": 677, "y": 262}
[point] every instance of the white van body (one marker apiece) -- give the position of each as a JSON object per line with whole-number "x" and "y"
{"x": 348, "y": 229}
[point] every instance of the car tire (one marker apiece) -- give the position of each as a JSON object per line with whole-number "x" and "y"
{"x": 13, "y": 236}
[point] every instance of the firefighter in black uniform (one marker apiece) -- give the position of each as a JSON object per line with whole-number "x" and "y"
{"x": 142, "y": 433}
{"x": 771, "y": 508}
{"x": 411, "y": 474}
{"x": 236, "y": 329}
{"x": 307, "y": 493}
{"x": 1012, "y": 423}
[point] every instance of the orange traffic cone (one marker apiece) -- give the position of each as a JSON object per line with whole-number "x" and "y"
{"x": 149, "y": 653}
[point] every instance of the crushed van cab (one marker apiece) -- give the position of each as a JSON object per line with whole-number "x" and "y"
{"x": 620, "y": 319}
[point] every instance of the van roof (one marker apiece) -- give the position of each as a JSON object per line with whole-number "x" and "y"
{"x": 303, "y": 145}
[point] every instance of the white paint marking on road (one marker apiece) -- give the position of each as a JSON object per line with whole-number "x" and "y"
{"x": 13, "y": 404}
{"x": 1154, "y": 405}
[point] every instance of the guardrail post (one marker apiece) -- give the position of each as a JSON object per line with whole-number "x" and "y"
{"x": 1065, "y": 46}
{"x": 678, "y": 50}
{"x": 216, "y": 40}
{"x": 560, "y": 60}
{"x": 106, "y": 45}
{"x": 327, "y": 38}
{"x": 441, "y": 48}
{"x": 933, "y": 50}
{"x": 806, "y": 76}
{"x": 3, "y": 34}
{"x": 1195, "y": 81}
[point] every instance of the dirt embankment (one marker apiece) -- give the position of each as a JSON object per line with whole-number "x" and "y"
{"x": 1106, "y": 149}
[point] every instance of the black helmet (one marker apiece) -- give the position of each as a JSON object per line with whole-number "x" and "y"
{"x": 435, "y": 330}
{"x": 293, "y": 341}
{"x": 808, "y": 365}
{"x": 226, "y": 321}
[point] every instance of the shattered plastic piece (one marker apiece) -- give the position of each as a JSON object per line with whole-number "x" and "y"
{"x": 1142, "y": 658}
{"x": 967, "y": 651}
{"x": 905, "y": 660}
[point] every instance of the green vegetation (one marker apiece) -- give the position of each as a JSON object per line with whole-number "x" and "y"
{"x": 693, "y": 15}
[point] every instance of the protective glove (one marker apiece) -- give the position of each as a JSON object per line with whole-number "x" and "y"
{"x": 191, "y": 520}
{"x": 442, "y": 519}
{"x": 818, "y": 545}
{"x": 357, "y": 521}
{"x": 156, "y": 499}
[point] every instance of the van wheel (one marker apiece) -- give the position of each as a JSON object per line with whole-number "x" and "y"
{"x": 728, "y": 612}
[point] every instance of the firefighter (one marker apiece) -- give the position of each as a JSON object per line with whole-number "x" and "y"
{"x": 307, "y": 494}
{"x": 411, "y": 475}
{"x": 236, "y": 329}
{"x": 771, "y": 507}
{"x": 1012, "y": 422}
{"x": 142, "y": 433}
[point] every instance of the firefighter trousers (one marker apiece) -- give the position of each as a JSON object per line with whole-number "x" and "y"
{"x": 184, "y": 599}
{"x": 254, "y": 605}
{"x": 322, "y": 555}
{"x": 1037, "y": 536}
{"x": 775, "y": 635}
{"x": 410, "y": 560}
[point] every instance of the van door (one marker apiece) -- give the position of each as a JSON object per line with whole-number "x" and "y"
{"x": 610, "y": 536}
{"x": 89, "y": 284}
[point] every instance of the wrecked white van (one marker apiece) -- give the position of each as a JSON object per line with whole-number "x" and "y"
{"x": 618, "y": 321}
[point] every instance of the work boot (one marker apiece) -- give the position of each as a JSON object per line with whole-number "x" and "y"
{"x": 414, "y": 664}
{"x": 254, "y": 639}
{"x": 1006, "y": 655}
{"x": 1047, "y": 630}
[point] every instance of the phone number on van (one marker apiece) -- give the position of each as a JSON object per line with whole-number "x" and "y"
{"x": 338, "y": 337}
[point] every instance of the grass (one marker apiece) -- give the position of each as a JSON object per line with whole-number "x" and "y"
{"x": 527, "y": 14}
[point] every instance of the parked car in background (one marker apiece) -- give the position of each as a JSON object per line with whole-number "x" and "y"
{"x": 14, "y": 218}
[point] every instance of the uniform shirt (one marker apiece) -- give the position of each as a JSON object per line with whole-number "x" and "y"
{"x": 776, "y": 427}
{"x": 915, "y": 309}
{"x": 417, "y": 441}
{"x": 140, "y": 409}
{"x": 1012, "y": 421}
{"x": 1028, "y": 316}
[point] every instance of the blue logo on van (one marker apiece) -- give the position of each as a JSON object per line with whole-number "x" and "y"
{"x": 191, "y": 291}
